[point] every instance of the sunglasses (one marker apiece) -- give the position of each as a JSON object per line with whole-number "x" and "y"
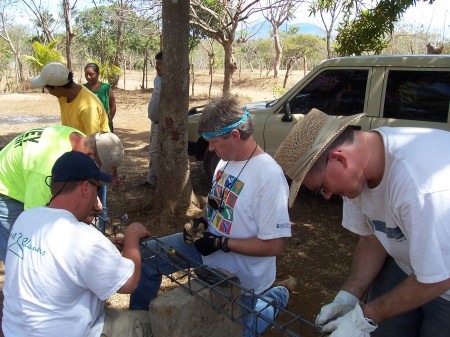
{"x": 95, "y": 184}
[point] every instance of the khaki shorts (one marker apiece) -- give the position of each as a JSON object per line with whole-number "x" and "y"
{"x": 126, "y": 323}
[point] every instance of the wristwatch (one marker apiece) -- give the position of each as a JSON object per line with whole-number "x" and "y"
{"x": 225, "y": 245}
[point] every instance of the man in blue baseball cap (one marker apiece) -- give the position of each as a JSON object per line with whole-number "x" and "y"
{"x": 60, "y": 271}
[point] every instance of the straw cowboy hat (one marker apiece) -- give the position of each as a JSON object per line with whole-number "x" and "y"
{"x": 306, "y": 142}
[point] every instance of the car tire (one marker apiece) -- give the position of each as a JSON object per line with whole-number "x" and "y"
{"x": 210, "y": 161}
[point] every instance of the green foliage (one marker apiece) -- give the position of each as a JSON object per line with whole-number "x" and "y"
{"x": 50, "y": 22}
{"x": 311, "y": 46}
{"x": 278, "y": 91}
{"x": 96, "y": 30}
{"x": 446, "y": 49}
{"x": 330, "y": 6}
{"x": 43, "y": 54}
{"x": 368, "y": 31}
{"x": 257, "y": 54}
{"x": 108, "y": 72}
{"x": 6, "y": 56}
{"x": 211, "y": 14}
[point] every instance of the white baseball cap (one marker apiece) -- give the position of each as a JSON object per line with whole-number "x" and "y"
{"x": 109, "y": 150}
{"x": 54, "y": 74}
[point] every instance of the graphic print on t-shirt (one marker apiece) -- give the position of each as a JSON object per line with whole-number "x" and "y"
{"x": 225, "y": 192}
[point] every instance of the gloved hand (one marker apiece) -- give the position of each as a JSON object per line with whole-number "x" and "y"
{"x": 193, "y": 230}
{"x": 342, "y": 303}
{"x": 209, "y": 243}
{"x": 352, "y": 324}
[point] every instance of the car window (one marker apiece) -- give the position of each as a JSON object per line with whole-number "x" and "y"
{"x": 336, "y": 92}
{"x": 417, "y": 95}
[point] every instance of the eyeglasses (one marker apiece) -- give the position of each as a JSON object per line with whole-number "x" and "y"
{"x": 95, "y": 184}
{"x": 322, "y": 190}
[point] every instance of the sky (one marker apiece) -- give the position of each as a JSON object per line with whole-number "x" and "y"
{"x": 435, "y": 17}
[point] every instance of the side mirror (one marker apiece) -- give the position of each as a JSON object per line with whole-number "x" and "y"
{"x": 287, "y": 117}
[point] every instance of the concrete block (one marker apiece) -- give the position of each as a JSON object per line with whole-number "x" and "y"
{"x": 177, "y": 313}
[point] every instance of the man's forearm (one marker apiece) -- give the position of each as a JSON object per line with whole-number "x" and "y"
{"x": 408, "y": 295}
{"x": 368, "y": 259}
{"x": 131, "y": 251}
{"x": 257, "y": 247}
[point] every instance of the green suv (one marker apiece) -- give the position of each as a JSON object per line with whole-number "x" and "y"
{"x": 409, "y": 90}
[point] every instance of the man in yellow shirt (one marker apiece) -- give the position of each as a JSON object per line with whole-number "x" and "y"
{"x": 80, "y": 108}
{"x": 28, "y": 159}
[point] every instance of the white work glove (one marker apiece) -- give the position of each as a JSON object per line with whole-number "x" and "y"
{"x": 342, "y": 303}
{"x": 352, "y": 324}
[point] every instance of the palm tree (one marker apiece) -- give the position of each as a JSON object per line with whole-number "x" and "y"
{"x": 44, "y": 54}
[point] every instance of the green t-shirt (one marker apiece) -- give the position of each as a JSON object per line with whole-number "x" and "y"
{"x": 102, "y": 94}
{"x": 28, "y": 159}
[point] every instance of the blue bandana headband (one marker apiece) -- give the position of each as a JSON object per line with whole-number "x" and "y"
{"x": 226, "y": 129}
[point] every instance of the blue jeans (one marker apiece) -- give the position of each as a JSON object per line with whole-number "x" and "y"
{"x": 430, "y": 320}
{"x": 10, "y": 210}
{"x": 103, "y": 214}
{"x": 252, "y": 323}
{"x": 154, "y": 267}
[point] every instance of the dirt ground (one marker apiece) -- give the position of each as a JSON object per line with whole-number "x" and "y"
{"x": 319, "y": 252}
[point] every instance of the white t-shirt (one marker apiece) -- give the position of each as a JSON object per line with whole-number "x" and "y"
{"x": 256, "y": 206}
{"x": 153, "y": 104}
{"x": 58, "y": 273}
{"x": 409, "y": 212}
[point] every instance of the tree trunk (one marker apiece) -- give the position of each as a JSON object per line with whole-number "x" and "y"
{"x": 193, "y": 79}
{"x": 144, "y": 71}
{"x": 328, "y": 44}
{"x": 19, "y": 74}
{"x": 288, "y": 68}
{"x": 211, "y": 58}
{"x": 305, "y": 65}
{"x": 173, "y": 194}
{"x": 69, "y": 32}
{"x": 124, "y": 73}
{"x": 229, "y": 69}
{"x": 278, "y": 51}
{"x": 102, "y": 48}
{"x": 120, "y": 15}
{"x": 5, "y": 36}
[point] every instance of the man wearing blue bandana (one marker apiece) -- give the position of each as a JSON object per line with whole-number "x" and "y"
{"x": 245, "y": 223}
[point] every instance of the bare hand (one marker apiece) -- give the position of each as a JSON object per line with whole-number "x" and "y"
{"x": 138, "y": 230}
{"x": 118, "y": 242}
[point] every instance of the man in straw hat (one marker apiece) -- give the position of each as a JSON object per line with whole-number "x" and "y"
{"x": 60, "y": 271}
{"x": 395, "y": 183}
{"x": 245, "y": 223}
{"x": 28, "y": 159}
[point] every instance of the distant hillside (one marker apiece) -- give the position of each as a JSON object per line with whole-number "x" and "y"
{"x": 263, "y": 29}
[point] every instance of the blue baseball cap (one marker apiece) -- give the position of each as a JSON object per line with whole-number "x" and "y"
{"x": 77, "y": 166}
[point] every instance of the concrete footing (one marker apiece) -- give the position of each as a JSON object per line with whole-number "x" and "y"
{"x": 177, "y": 313}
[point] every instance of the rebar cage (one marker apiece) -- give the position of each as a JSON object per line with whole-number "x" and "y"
{"x": 223, "y": 288}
